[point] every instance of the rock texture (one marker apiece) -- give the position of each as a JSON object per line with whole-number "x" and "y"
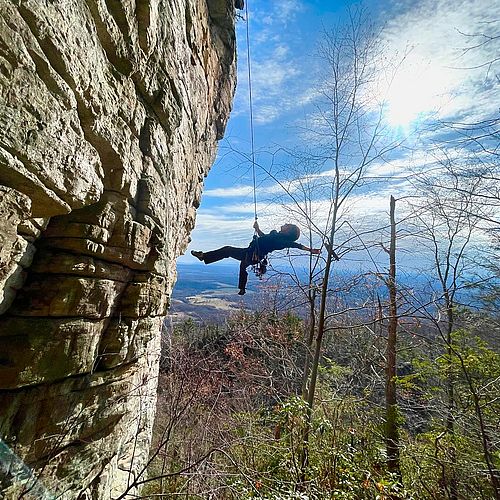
{"x": 110, "y": 111}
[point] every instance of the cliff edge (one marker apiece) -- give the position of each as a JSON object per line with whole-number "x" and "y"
{"x": 110, "y": 113}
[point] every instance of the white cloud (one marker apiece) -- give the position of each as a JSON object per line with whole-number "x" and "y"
{"x": 402, "y": 167}
{"x": 276, "y": 68}
{"x": 441, "y": 74}
{"x": 281, "y": 51}
{"x": 285, "y": 10}
{"x": 267, "y": 113}
{"x": 388, "y": 169}
{"x": 214, "y": 229}
{"x": 229, "y": 192}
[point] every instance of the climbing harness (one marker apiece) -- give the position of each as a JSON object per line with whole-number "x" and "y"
{"x": 261, "y": 268}
{"x": 259, "y": 263}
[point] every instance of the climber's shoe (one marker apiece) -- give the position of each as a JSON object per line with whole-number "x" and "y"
{"x": 198, "y": 255}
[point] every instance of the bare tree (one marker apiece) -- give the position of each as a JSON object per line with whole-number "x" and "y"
{"x": 348, "y": 134}
{"x": 448, "y": 220}
{"x": 391, "y": 408}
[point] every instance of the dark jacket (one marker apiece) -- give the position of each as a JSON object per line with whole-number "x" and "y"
{"x": 270, "y": 242}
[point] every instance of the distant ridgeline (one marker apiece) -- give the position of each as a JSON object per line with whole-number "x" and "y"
{"x": 209, "y": 293}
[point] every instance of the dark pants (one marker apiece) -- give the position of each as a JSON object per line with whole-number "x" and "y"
{"x": 244, "y": 255}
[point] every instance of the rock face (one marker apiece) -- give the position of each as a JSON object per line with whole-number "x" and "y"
{"x": 110, "y": 112}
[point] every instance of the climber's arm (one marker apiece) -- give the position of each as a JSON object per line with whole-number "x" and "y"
{"x": 317, "y": 251}
{"x": 314, "y": 251}
{"x": 257, "y": 228}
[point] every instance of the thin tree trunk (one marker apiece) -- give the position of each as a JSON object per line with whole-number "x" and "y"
{"x": 450, "y": 426}
{"x": 310, "y": 339}
{"x": 391, "y": 426}
{"x": 449, "y": 375}
{"x": 319, "y": 340}
{"x": 485, "y": 438}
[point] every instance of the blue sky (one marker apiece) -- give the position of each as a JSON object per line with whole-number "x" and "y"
{"x": 439, "y": 78}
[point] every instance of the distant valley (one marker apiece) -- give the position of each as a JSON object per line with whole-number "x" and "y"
{"x": 207, "y": 293}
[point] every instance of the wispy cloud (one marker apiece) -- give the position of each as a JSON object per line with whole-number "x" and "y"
{"x": 229, "y": 192}
{"x": 446, "y": 70}
{"x": 276, "y": 68}
{"x": 285, "y": 10}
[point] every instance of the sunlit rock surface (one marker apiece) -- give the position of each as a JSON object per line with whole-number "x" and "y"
{"x": 110, "y": 112}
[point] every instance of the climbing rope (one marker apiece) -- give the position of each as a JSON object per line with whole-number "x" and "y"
{"x": 259, "y": 265}
{"x": 252, "y": 141}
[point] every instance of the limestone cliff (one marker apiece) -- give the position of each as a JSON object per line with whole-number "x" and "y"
{"x": 110, "y": 112}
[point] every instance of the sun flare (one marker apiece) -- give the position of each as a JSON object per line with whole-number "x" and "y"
{"x": 417, "y": 90}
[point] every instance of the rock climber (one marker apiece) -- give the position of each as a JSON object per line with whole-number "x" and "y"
{"x": 261, "y": 245}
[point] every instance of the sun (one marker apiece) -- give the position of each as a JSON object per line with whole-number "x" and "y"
{"x": 416, "y": 91}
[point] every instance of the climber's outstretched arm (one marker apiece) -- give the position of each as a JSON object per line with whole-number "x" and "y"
{"x": 314, "y": 251}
